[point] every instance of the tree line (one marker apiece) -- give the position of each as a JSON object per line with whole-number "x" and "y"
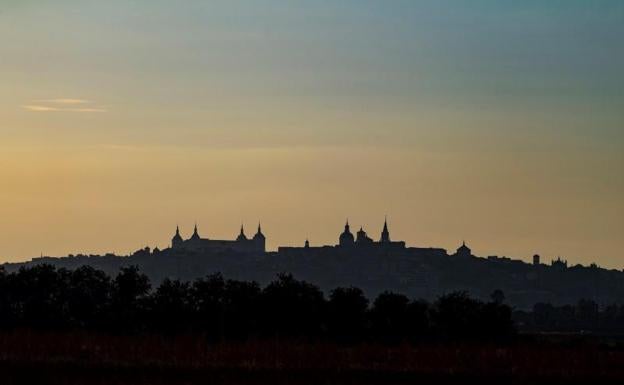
{"x": 43, "y": 297}
{"x": 585, "y": 316}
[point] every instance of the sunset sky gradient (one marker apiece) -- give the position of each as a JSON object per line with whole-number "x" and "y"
{"x": 497, "y": 122}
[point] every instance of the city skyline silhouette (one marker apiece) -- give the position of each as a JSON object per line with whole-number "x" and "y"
{"x": 311, "y": 192}
{"x": 186, "y": 232}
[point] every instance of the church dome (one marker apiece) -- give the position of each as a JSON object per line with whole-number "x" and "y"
{"x": 346, "y": 238}
{"x": 362, "y": 237}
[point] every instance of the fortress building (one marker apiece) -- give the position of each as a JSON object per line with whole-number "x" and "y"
{"x": 346, "y": 239}
{"x": 361, "y": 242}
{"x": 241, "y": 244}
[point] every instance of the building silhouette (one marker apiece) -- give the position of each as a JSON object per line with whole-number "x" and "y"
{"x": 463, "y": 251}
{"x": 559, "y": 263}
{"x": 362, "y": 240}
{"x": 242, "y": 244}
{"x": 375, "y": 264}
{"x": 346, "y": 239}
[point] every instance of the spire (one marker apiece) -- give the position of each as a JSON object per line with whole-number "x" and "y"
{"x": 242, "y": 235}
{"x": 385, "y": 234}
{"x": 177, "y": 239}
{"x": 195, "y": 232}
{"x": 259, "y": 234}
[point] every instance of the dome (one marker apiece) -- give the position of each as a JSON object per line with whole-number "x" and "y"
{"x": 346, "y": 237}
{"x": 362, "y": 237}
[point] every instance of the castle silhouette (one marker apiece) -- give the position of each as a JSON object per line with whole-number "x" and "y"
{"x": 242, "y": 244}
{"x": 257, "y": 244}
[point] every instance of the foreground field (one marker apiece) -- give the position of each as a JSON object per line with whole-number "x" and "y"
{"x": 77, "y": 358}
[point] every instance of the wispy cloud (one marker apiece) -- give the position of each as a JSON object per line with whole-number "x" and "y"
{"x": 65, "y": 101}
{"x": 98, "y": 109}
{"x": 64, "y": 105}
{"x": 39, "y": 108}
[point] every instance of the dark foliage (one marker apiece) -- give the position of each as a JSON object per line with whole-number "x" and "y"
{"x": 458, "y": 316}
{"x": 347, "y": 314}
{"x": 584, "y": 317}
{"x": 49, "y": 299}
{"x": 292, "y": 308}
{"x": 389, "y": 317}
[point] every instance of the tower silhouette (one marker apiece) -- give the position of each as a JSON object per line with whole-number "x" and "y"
{"x": 385, "y": 234}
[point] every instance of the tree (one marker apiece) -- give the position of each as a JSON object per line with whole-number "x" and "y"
{"x": 7, "y": 310}
{"x": 129, "y": 296}
{"x": 171, "y": 309}
{"x": 292, "y": 307}
{"x": 587, "y": 313}
{"x": 497, "y": 296}
{"x": 457, "y": 315}
{"x": 346, "y": 314}
{"x": 208, "y": 297}
{"x": 88, "y": 297}
{"x": 389, "y": 317}
{"x": 241, "y": 309}
{"x": 39, "y": 296}
{"x": 544, "y": 316}
{"x": 418, "y": 319}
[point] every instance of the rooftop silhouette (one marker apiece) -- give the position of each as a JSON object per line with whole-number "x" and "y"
{"x": 359, "y": 260}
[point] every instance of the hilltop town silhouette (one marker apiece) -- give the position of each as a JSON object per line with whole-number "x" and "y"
{"x": 359, "y": 260}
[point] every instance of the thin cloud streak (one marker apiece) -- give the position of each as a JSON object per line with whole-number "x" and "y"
{"x": 85, "y": 109}
{"x": 40, "y": 108}
{"x": 64, "y": 105}
{"x": 65, "y": 101}
{"x": 36, "y": 108}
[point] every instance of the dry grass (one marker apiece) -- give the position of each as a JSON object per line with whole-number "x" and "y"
{"x": 67, "y": 355}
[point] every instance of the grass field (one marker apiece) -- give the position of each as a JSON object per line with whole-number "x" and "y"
{"x": 82, "y": 358}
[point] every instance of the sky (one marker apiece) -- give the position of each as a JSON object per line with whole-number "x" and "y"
{"x": 500, "y": 123}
